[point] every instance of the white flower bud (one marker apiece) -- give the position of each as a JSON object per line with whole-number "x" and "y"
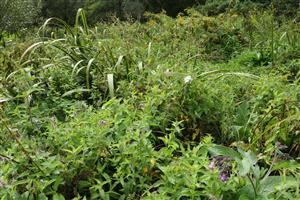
{"x": 188, "y": 79}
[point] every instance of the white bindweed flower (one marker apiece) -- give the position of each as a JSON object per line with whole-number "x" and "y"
{"x": 188, "y": 79}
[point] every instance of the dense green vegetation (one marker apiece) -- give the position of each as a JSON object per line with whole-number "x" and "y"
{"x": 16, "y": 15}
{"x": 201, "y": 106}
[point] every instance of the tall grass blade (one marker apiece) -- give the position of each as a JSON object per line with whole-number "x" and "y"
{"x": 79, "y": 90}
{"x": 58, "y": 22}
{"x": 81, "y": 15}
{"x": 88, "y": 73}
{"x": 140, "y": 66}
{"x": 75, "y": 67}
{"x": 3, "y": 101}
{"x": 149, "y": 50}
{"x": 110, "y": 81}
{"x": 34, "y": 46}
{"x": 240, "y": 74}
{"x": 120, "y": 59}
{"x": 31, "y": 48}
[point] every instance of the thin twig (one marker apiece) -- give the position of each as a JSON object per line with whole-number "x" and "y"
{"x": 9, "y": 158}
{"x": 270, "y": 168}
{"x": 21, "y": 145}
{"x": 13, "y": 160}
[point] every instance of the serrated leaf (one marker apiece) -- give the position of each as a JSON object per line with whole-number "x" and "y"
{"x": 291, "y": 165}
{"x": 246, "y": 193}
{"x": 278, "y": 183}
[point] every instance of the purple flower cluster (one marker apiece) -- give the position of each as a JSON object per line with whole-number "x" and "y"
{"x": 223, "y": 164}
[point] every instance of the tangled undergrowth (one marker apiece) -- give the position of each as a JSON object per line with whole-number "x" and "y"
{"x": 195, "y": 107}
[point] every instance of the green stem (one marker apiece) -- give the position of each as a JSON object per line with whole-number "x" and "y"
{"x": 271, "y": 166}
{"x": 251, "y": 181}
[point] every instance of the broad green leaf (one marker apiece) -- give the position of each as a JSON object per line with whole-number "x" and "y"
{"x": 244, "y": 167}
{"x": 224, "y": 151}
{"x": 249, "y": 155}
{"x": 268, "y": 184}
{"x": 42, "y": 196}
{"x": 58, "y": 197}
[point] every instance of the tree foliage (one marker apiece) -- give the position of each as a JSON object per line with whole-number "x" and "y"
{"x": 288, "y": 8}
{"x": 63, "y": 9}
{"x": 17, "y": 14}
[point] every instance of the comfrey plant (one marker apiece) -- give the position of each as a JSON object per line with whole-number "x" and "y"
{"x": 224, "y": 165}
{"x": 256, "y": 182}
